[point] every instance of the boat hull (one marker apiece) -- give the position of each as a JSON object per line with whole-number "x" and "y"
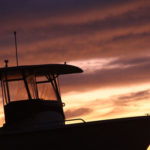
{"x": 117, "y": 134}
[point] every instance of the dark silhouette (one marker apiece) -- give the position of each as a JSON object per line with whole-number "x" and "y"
{"x": 35, "y": 118}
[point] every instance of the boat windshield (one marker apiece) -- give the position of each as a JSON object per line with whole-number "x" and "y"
{"x": 29, "y": 87}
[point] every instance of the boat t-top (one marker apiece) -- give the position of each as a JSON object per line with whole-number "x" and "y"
{"x": 31, "y": 94}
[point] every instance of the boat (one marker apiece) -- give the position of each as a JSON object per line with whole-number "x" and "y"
{"x": 34, "y": 115}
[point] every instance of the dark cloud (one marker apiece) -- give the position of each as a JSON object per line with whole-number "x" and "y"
{"x": 125, "y": 100}
{"x": 58, "y": 31}
{"x": 49, "y": 6}
{"x": 74, "y": 113}
{"x": 122, "y": 104}
{"x": 131, "y": 62}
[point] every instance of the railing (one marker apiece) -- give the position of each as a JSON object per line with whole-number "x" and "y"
{"x": 77, "y": 120}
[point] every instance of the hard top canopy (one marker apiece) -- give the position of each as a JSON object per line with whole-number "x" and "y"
{"x": 39, "y": 70}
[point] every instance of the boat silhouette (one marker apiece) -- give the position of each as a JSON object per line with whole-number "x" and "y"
{"x": 34, "y": 116}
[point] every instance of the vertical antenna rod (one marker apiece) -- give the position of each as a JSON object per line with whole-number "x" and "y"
{"x": 16, "y": 48}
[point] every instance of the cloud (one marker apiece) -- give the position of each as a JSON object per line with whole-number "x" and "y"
{"x": 127, "y": 72}
{"x": 125, "y": 100}
{"x": 75, "y": 113}
{"x": 130, "y": 62}
{"x": 123, "y": 105}
{"x": 67, "y": 30}
{"x": 128, "y": 103}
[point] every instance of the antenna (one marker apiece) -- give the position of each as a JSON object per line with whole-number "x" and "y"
{"x": 16, "y": 48}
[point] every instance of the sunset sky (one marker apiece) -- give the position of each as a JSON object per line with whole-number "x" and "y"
{"x": 108, "y": 39}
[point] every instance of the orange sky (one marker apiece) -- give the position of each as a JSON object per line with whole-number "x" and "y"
{"x": 109, "y": 40}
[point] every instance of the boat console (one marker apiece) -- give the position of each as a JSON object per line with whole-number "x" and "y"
{"x": 31, "y": 94}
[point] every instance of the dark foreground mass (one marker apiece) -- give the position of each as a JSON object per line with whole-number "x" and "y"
{"x": 116, "y": 134}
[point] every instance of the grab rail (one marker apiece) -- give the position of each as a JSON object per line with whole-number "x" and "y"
{"x": 76, "y": 120}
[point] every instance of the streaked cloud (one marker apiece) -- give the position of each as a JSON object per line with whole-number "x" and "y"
{"x": 128, "y": 104}
{"x": 68, "y": 30}
{"x": 117, "y": 73}
{"x": 75, "y": 113}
